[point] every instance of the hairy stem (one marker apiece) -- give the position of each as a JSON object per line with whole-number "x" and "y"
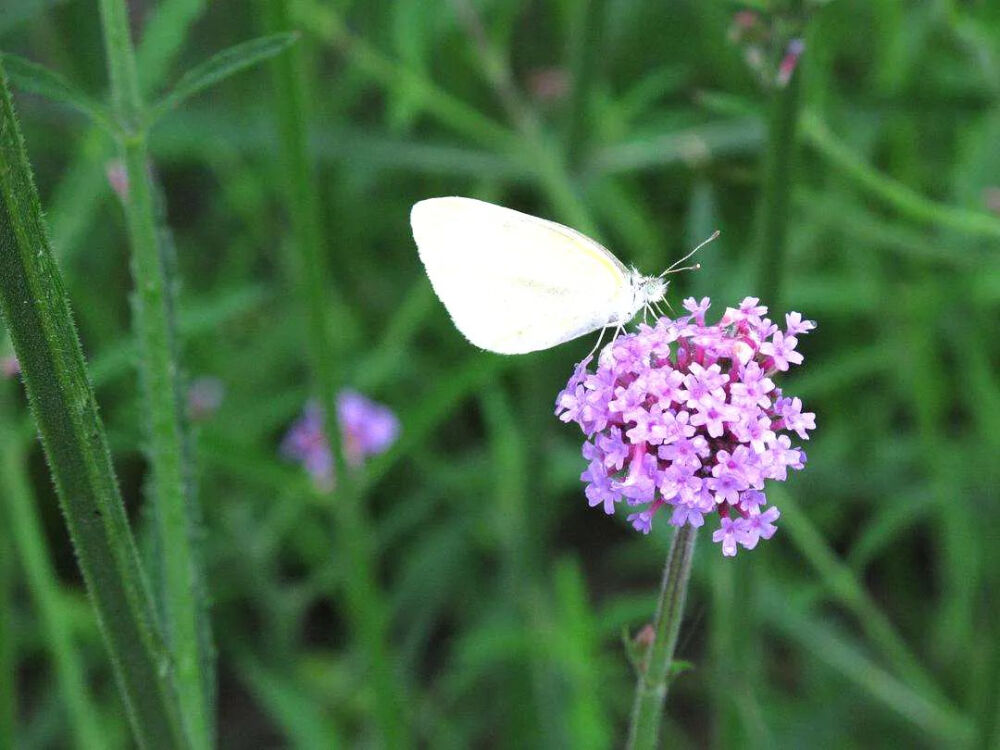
{"x": 779, "y": 157}
{"x": 654, "y": 672}
{"x": 38, "y": 317}
{"x": 182, "y": 596}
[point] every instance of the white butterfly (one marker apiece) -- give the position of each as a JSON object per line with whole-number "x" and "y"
{"x": 514, "y": 283}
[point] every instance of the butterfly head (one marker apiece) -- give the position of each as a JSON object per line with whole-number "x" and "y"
{"x": 649, "y": 290}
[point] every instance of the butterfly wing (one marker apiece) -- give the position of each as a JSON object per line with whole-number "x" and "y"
{"x": 514, "y": 283}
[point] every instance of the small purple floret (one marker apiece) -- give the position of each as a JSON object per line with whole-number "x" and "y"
{"x": 686, "y": 415}
{"x": 366, "y": 429}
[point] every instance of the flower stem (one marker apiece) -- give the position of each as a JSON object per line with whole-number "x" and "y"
{"x": 183, "y": 599}
{"x": 654, "y": 671}
{"x": 37, "y": 314}
{"x": 586, "y": 58}
{"x": 782, "y": 132}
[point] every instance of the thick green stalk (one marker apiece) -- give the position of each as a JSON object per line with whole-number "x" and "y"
{"x": 26, "y": 530}
{"x": 365, "y": 603}
{"x": 183, "y": 601}
{"x": 777, "y": 188}
{"x": 585, "y": 58}
{"x": 62, "y": 401}
{"x": 654, "y": 671}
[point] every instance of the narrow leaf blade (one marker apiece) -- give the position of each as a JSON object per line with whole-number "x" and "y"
{"x": 37, "y": 79}
{"x": 37, "y": 314}
{"x": 220, "y": 66}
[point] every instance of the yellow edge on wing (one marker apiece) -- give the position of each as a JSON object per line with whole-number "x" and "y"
{"x": 593, "y": 248}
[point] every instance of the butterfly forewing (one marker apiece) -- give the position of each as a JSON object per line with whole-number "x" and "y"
{"x": 514, "y": 283}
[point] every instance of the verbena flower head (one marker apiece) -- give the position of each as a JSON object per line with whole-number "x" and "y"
{"x": 686, "y": 417}
{"x": 366, "y": 429}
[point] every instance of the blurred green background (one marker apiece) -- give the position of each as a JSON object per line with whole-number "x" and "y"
{"x": 871, "y": 618}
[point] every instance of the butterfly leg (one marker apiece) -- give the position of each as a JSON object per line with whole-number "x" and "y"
{"x": 600, "y": 338}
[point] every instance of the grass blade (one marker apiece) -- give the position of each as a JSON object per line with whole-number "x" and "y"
{"x": 219, "y": 67}
{"x": 841, "y": 655}
{"x": 899, "y": 196}
{"x": 8, "y": 648}
{"x": 37, "y": 79}
{"x": 32, "y": 548}
{"x": 845, "y": 588}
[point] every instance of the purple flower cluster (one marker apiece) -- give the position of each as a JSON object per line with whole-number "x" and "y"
{"x": 686, "y": 415}
{"x": 366, "y": 429}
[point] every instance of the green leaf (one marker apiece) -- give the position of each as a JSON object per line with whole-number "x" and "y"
{"x": 219, "y": 67}
{"x": 15, "y": 12}
{"x": 21, "y": 513}
{"x": 679, "y": 667}
{"x": 37, "y": 79}
{"x": 292, "y": 708}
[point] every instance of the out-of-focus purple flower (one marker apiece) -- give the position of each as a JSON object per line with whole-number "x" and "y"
{"x": 790, "y": 61}
{"x": 366, "y": 429}
{"x": 10, "y": 366}
{"x": 117, "y": 178}
{"x": 686, "y": 415}
{"x": 549, "y": 84}
{"x": 204, "y": 397}
{"x": 742, "y": 22}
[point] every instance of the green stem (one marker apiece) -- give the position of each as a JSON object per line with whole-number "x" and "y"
{"x": 654, "y": 672}
{"x": 325, "y": 23}
{"x": 32, "y": 549}
{"x": 38, "y": 317}
{"x": 184, "y": 608}
{"x": 586, "y": 55}
{"x": 777, "y": 188}
{"x": 365, "y": 602}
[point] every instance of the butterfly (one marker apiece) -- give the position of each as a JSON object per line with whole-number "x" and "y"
{"x": 514, "y": 283}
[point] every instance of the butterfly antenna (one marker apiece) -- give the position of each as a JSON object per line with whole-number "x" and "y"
{"x": 692, "y": 267}
{"x": 674, "y": 269}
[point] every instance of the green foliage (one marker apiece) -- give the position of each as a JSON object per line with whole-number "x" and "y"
{"x": 38, "y": 79}
{"x": 219, "y": 67}
{"x": 498, "y": 597}
{"x": 37, "y": 315}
